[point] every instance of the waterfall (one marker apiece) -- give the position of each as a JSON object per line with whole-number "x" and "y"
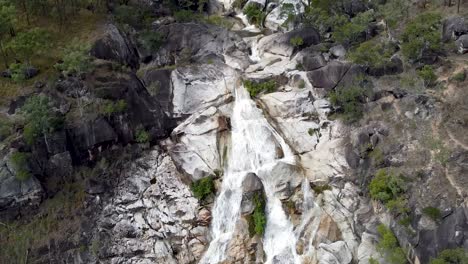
{"x": 254, "y": 149}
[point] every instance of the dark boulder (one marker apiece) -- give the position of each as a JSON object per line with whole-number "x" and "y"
{"x": 353, "y": 7}
{"x": 451, "y": 233}
{"x": 462, "y": 44}
{"x": 309, "y": 35}
{"x": 158, "y": 83}
{"x": 312, "y": 62}
{"x": 454, "y": 27}
{"x": 333, "y": 74}
{"x": 116, "y": 46}
{"x": 59, "y": 172}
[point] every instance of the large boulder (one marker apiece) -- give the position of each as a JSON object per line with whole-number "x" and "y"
{"x": 390, "y": 67}
{"x": 454, "y": 27}
{"x": 334, "y": 73}
{"x": 116, "y": 46}
{"x": 197, "y": 87}
{"x": 159, "y": 85}
{"x": 280, "y": 43}
{"x": 312, "y": 62}
{"x": 251, "y": 186}
{"x": 189, "y": 42}
{"x": 462, "y": 44}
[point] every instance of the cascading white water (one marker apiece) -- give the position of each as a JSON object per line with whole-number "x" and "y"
{"x": 254, "y": 149}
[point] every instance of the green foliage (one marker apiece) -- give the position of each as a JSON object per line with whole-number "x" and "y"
{"x": 7, "y": 18}
{"x": 219, "y": 21}
{"x": 388, "y": 246}
{"x": 110, "y": 107}
{"x": 393, "y": 12}
{"x": 150, "y": 39}
{"x": 371, "y": 54}
{"x": 422, "y": 33}
{"x": 348, "y": 102}
{"x": 239, "y": 3}
{"x": 76, "y": 59}
{"x": 30, "y": 43}
{"x": 353, "y": 31}
{"x": 18, "y": 72}
{"x": 184, "y": 16}
{"x": 142, "y": 136}
{"x": 323, "y": 20}
{"x": 318, "y": 189}
{"x": 255, "y": 88}
{"x": 428, "y": 75}
{"x": 451, "y": 256}
{"x": 203, "y": 188}
{"x": 459, "y": 77}
{"x": 373, "y": 261}
{"x": 40, "y": 119}
{"x": 386, "y": 186}
{"x": 259, "y": 218}
{"x": 5, "y": 128}
{"x": 255, "y": 14}
{"x": 19, "y": 161}
{"x": 288, "y": 11}
{"x": 432, "y": 212}
{"x": 296, "y": 41}
{"x": 133, "y": 16}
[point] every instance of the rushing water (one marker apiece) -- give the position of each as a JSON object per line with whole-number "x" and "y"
{"x": 254, "y": 149}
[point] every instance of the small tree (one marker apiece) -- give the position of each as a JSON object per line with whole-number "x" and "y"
{"x": 428, "y": 75}
{"x": 19, "y": 161}
{"x": 18, "y": 72}
{"x": 30, "y": 43}
{"x": 40, "y": 119}
{"x": 76, "y": 59}
{"x": 422, "y": 34}
{"x": 7, "y": 19}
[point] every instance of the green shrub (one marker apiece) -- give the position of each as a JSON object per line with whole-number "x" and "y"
{"x": 255, "y": 88}
{"x": 109, "y": 108}
{"x": 133, "y": 16}
{"x": 451, "y": 256}
{"x": 432, "y": 212}
{"x": 216, "y": 20}
{"x": 76, "y": 59}
{"x": 353, "y": 31}
{"x": 348, "y": 102}
{"x": 323, "y": 20}
{"x": 296, "y": 41}
{"x": 239, "y": 3}
{"x": 150, "y": 40}
{"x": 142, "y": 136}
{"x": 255, "y": 14}
{"x": 372, "y": 54}
{"x": 203, "y": 188}
{"x": 184, "y": 16}
{"x": 318, "y": 189}
{"x": 459, "y": 77}
{"x": 388, "y": 246}
{"x": 5, "y": 128}
{"x": 19, "y": 161}
{"x": 258, "y": 216}
{"x": 288, "y": 11}
{"x": 40, "y": 119}
{"x": 428, "y": 75}
{"x": 422, "y": 33}
{"x": 386, "y": 187}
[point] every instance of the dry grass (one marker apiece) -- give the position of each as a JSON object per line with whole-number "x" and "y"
{"x": 84, "y": 28}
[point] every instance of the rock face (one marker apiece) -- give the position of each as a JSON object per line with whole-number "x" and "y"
{"x": 115, "y": 47}
{"x": 329, "y": 76}
{"x": 280, "y": 44}
{"x": 153, "y": 217}
{"x": 252, "y": 185}
{"x": 454, "y": 27}
{"x": 462, "y": 44}
{"x": 196, "y": 43}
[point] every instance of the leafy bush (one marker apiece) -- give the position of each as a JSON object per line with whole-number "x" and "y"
{"x": 296, "y": 41}
{"x": 422, "y": 33}
{"x": 394, "y": 11}
{"x": 18, "y": 72}
{"x": 239, "y": 3}
{"x": 183, "y": 16}
{"x": 318, "y": 189}
{"x": 219, "y": 21}
{"x": 76, "y": 59}
{"x": 203, "y": 188}
{"x": 354, "y": 30}
{"x": 255, "y": 14}
{"x": 385, "y": 186}
{"x": 459, "y": 77}
{"x": 348, "y": 102}
{"x": 150, "y": 39}
{"x": 322, "y": 20}
{"x": 5, "y": 128}
{"x": 432, "y": 212}
{"x": 19, "y": 161}
{"x": 132, "y": 16}
{"x": 259, "y": 218}
{"x": 40, "y": 119}
{"x": 428, "y": 75}
{"x": 388, "y": 246}
{"x": 117, "y": 107}
{"x": 371, "y": 54}
{"x": 255, "y": 88}
{"x": 451, "y": 256}
{"x": 142, "y": 136}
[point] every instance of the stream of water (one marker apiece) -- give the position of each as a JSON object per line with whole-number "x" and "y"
{"x": 254, "y": 149}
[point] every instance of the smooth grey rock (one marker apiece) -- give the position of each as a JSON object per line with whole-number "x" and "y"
{"x": 329, "y": 76}
{"x": 338, "y": 51}
{"x": 462, "y": 44}
{"x": 453, "y": 27}
{"x": 312, "y": 62}
{"x": 334, "y": 253}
